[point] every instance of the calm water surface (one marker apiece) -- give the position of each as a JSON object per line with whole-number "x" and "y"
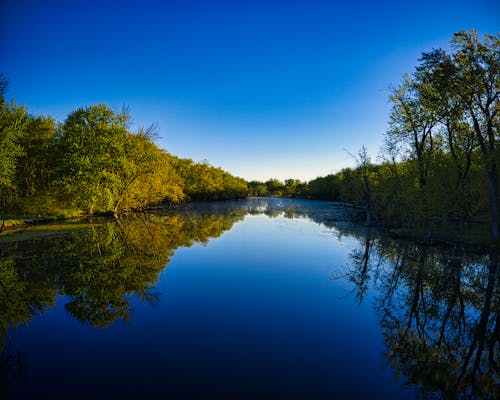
{"x": 259, "y": 298}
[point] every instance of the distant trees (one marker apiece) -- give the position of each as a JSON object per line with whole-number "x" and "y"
{"x": 205, "y": 182}
{"x": 325, "y": 188}
{"x": 276, "y": 188}
{"x": 256, "y": 188}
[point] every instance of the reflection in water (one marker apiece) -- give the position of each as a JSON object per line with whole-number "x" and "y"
{"x": 439, "y": 312}
{"x": 97, "y": 268}
{"x": 439, "y": 309}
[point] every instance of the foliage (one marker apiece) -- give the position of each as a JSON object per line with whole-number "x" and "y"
{"x": 439, "y": 164}
{"x": 13, "y": 121}
{"x": 440, "y": 159}
{"x": 93, "y": 163}
{"x": 205, "y": 182}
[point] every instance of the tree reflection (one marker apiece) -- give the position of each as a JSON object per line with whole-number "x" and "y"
{"x": 439, "y": 312}
{"x": 359, "y": 275}
{"x": 98, "y": 268}
{"x": 439, "y": 309}
{"x": 15, "y": 307}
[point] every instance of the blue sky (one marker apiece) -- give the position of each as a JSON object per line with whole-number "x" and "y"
{"x": 261, "y": 89}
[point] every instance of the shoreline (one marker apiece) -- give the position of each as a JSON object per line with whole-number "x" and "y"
{"x": 477, "y": 241}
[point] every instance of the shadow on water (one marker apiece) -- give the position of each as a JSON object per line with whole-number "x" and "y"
{"x": 438, "y": 309}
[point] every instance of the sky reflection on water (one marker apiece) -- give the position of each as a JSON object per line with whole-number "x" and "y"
{"x": 259, "y": 298}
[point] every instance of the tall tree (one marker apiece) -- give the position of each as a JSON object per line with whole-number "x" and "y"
{"x": 412, "y": 124}
{"x": 478, "y": 65}
{"x": 438, "y": 76}
{"x": 13, "y": 121}
{"x": 35, "y": 169}
{"x": 364, "y": 166}
{"x": 91, "y": 146}
{"x": 147, "y": 175}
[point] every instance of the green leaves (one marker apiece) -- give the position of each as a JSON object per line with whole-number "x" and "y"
{"x": 105, "y": 168}
{"x": 13, "y": 121}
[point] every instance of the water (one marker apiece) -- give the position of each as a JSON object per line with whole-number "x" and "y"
{"x": 259, "y": 298}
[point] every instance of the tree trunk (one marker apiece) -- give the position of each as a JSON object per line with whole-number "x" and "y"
{"x": 368, "y": 202}
{"x": 493, "y": 184}
{"x": 488, "y": 150}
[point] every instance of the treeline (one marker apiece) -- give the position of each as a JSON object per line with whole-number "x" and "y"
{"x": 439, "y": 163}
{"x": 441, "y": 152}
{"x": 92, "y": 162}
{"x": 276, "y": 188}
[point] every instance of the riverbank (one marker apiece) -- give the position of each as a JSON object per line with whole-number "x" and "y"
{"x": 155, "y": 276}
{"x": 475, "y": 236}
{"x": 13, "y": 223}
{"x": 20, "y": 221}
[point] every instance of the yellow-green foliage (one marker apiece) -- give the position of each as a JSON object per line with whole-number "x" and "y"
{"x": 93, "y": 163}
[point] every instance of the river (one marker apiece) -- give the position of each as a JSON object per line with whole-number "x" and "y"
{"x": 250, "y": 299}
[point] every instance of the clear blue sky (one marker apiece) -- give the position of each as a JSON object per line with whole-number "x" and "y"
{"x": 262, "y": 89}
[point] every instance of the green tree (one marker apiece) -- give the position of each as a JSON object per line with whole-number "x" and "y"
{"x": 411, "y": 124}
{"x": 364, "y": 166}
{"x": 275, "y": 187}
{"x": 478, "y": 78}
{"x": 146, "y": 174}
{"x": 325, "y": 188}
{"x": 256, "y": 188}
{"x": 13, "y": 121}
{"x": 35, "y": 169}
{"x": 439, "y": 76}
{"x": 291, "y": 187}
{"x": 92, "y": 156}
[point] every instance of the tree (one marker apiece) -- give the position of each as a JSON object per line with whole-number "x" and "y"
{"x": 478, "y": 75}
{"x": 291, "y": 187}
{"x": 146, "y": 174}
{"x": 12, "y": 125}
{"x": 35, "y": 169}
{"x": 437, "y": 75}
{"x": 411, "y": 123}
{"x": 325, "y": 188}
{"x": 4, "y": 84}
{"x": 363, "y": 162}
{"x": 256, "y": 188}
{"x": 92, "y": 154}
{"x": 275, "y": 187}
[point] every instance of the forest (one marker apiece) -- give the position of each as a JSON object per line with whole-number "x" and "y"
{"x": 437, "y": 170}
{"x": 92, "y": 163}
{"x": 438, "y": 167}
